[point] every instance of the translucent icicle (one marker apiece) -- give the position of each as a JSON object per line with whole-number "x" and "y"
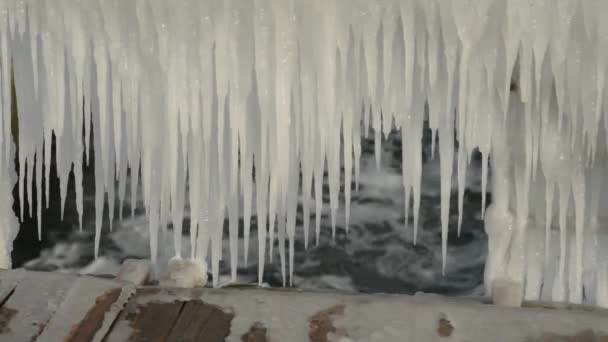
{"x": 578, "y": 191}
{"x": 446, "y": 150}
{"x": 560, "y": 279}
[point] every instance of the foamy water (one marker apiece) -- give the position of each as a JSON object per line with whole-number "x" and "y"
{"x": 376, "y": 255}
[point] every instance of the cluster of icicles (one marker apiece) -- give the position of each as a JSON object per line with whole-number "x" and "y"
{"x": 248, "y": 103}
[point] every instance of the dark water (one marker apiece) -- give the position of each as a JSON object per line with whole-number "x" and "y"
{"x": 376, "y": 255}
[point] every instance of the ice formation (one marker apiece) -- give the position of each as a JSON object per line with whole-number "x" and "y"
{"x": 249, "y": 103}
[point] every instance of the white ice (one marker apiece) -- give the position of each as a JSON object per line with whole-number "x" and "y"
{"x": 236, "y": 100}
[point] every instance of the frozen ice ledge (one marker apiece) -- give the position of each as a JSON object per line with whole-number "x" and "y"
{"x": 196, "y": 94}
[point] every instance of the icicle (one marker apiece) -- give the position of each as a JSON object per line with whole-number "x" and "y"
{"x": 261, "y": 200}
{"x": 122, "y": 185}
{"x": 6, "y": 69}
{"x": 348, "y": 166}
{"x": 79, "y": 192}
{"x": 308, "y": 98}
{"x": 370, "y": 50}
{"x": 292, "y": 205}
{"x": 281, "y": 240}
{"x": 99, "y": 198}
{"x": 461, "y": 174}
{"x": 233, "y": 229}
{"x": 318, "y": 199}
{"x": 273, "y": 208}
{"x": 534, "y": 262}
{"x": 177, "y": 204}
{"x": 406, "y": 181}
{"x": 46, "y": 163}
{"x": 484, "y": 181}
{"x": 38, "y": 180}
{"x": 560, "y": 279}
{"x": 111, "y": 189}
{"x": 231, "y": 100}
{"x": 247, "y": 194}
{"x": 446, "y": 150}
{"x": 416, "y": 161}
{"x": 578, "y": 191}
{"x": 549, "y": 191}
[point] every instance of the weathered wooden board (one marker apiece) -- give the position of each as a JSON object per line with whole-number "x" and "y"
{"x": 192, "y": 319}
{"x": 8, "y": 283}
{"x": 288, "y": 315}
{"x": 201, "y": 322}
{"x": 173, "y": 321}
{"x": 34, "y": 300}
{"x": 88, "y": 310}
{"x": 154, "y": 322}
{"x": 58, "y": 307}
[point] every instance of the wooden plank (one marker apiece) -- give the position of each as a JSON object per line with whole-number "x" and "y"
{"x": 201, "y": 322}
{"x": 92, "y": 321}
{"x": 8, "y": 282}
{"x": 194, "y": 315}
{"x": 39, "y": 297}
{"x": 81, "y": 315}
{"x": 122, "y": 327}
{"x": 112, "y": 313}
{"x": 154, "y": 321}
{"x": 186, "y": 327}
{"x": 216, "y": 328}
{"x": 35, "y": 299}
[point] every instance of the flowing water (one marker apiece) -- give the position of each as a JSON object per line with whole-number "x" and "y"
{"x": 376, "y": 255}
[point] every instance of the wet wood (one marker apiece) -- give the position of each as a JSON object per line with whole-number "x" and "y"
{"x": 217, "y": 327}
{"x": 179, "y": 321}
{"x": 93, "y": 320}
{"x": 154, "y": 321}
{"x": 193, "y": 316}
{"x": 201, "y": 322}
